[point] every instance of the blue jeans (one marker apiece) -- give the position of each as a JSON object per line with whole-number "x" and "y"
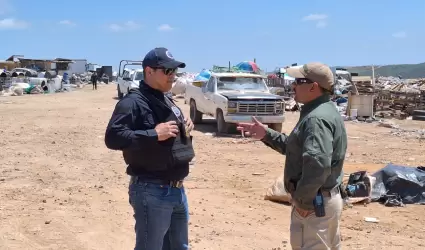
{"x": 162, "y": 215}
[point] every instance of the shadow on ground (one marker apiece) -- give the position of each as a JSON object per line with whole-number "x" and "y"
{"x": 210, "y": 126}
{"x": 207, "y": 126}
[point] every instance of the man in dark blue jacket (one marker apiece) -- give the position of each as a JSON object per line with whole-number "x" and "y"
{"x": 154, "y": 137}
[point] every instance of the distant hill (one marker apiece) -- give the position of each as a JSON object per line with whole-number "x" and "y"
{"x": 406, "y": 71}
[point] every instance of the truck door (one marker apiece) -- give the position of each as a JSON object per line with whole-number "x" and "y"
{"x": 129, "y": 81}
{"x": 123, "y": 83}
{"x": 209, "y": 93}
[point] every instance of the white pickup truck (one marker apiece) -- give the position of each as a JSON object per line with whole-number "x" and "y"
{"x": 129, "y": 79}
{"x": 235, "y": 97}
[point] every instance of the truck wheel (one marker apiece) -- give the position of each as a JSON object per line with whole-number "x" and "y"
{"x": 195, "y": 115}
{"x": 120, "y": 95}
{"x": 418, "y": 117}
{"x": 418, "y": 112}
{"x": 276, "y": 126}
{"x": 222, "y": 126}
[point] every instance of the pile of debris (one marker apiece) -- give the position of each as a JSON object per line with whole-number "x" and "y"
{"x": 50, "y": 84}
{"x": 399, "y": 97}
{"x": 363, "y": 85}
{"x": 181, "y": 81}
{"x": 386, "y": 186}
{"x": 400, "y": 85}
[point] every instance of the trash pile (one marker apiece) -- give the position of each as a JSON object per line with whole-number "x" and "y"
{"x": 400, "y": 85}
{"x": 392, "y": 186}
{"x": 179, "y": 85}
{"x": 409, "y": 133}
{"x": 48, "y": 82}
{"x": 399, "y": 97}
{"x": 363, "y": 85}
{"x": 399, "y": 185}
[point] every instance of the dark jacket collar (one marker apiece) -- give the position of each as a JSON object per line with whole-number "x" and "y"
{"x": 308, "y": 107}
{"x": 145, "y": 87}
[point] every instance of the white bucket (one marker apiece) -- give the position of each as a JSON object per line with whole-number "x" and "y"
{"x": 50, "y": 87}
{"x": 353, "y": 113}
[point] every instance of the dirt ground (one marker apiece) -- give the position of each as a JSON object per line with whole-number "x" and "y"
{"x": 61, "y": 188}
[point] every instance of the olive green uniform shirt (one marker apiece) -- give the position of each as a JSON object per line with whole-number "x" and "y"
{"x": 315, "y": 151}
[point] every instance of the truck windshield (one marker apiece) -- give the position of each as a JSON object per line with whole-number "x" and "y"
{"x": 241, "y": 83}
{"x": 139, "y": 76}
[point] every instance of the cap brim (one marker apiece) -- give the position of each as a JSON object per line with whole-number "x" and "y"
{"x": 174, "y": 64}
{"x": 295, "y": 72}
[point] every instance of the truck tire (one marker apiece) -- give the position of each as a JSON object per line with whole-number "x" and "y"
{"x": 276, "y": 127}
{"x": 222, "y": 126}
{"x": 418, "y": 117}
{"x": 418, "y": 113}
{"x": 195, "y": 115}
{"x": 120, "y": 95}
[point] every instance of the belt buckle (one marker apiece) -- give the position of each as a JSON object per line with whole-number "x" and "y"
{"x": 176, "y": 184}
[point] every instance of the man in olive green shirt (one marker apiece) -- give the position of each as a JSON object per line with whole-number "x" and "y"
{"x": 315, "y": 152}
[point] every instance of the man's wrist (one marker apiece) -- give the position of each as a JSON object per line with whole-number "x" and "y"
{"x": 266, "y": 136}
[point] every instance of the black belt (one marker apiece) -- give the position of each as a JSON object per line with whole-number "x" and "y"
{"x": 172, "y": 183}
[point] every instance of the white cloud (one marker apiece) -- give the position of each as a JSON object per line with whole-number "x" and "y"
{"x": 400, "y": 34}
{"x": 67, "y": 23}
{"x": 165, "y": 27}
{"x": 13, "y": 24}
{"x": 5, "y": 7}
{"x": 319, "y": 19}
{"x": 315, "y": 17}
{"x": 127, "y": 26}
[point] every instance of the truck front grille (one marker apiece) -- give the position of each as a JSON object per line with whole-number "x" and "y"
{"x": 255, "y": 108}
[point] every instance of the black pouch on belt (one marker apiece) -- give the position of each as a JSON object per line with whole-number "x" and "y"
{"x": 319, "y": 207}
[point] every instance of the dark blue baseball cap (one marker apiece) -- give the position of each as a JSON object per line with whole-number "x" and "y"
{"x": 161, "y": 58}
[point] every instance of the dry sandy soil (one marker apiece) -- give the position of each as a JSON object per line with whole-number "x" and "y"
{"x": 61, "y": 188}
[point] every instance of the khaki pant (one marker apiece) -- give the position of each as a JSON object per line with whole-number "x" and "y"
{"x": 318, "y": 233}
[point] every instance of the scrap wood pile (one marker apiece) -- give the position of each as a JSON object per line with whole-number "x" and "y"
{"x": 394, "y": 84}
{"x": 399, "y": 97}
{"x": 363, "y": 85}
{"x": 391, "y": 186}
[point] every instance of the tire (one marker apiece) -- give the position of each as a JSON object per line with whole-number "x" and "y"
{"x": 277, "y": 127}
{"x": 222, "y": 126}
{"x": 195, "y": 115}
{"x": 418, "y": 117}
{"x": 418, "y": 113}
{"x": 120, "y": 95}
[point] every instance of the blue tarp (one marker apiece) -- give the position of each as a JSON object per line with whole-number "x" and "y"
{"x": 248, "y": 66}
{"x": 204, "y": 75}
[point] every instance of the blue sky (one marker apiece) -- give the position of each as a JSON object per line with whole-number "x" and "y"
{"x": 203, "y": 33}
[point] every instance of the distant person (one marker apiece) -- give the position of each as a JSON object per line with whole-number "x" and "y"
{"x": 315, "y": 152}
{"x": 154, "y": 137}
{"x": 94, "y": 79}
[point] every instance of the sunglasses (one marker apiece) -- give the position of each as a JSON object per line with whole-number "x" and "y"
{"x": 168, "y": 71}
{"x": 301, "y": 81}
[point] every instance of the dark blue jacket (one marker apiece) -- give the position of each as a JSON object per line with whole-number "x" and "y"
{"x": 131, "y": 130}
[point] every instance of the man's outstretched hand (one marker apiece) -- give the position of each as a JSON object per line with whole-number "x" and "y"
{"x": 256, "y": 129}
